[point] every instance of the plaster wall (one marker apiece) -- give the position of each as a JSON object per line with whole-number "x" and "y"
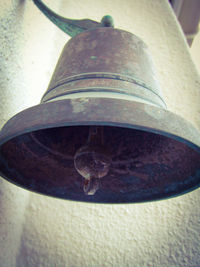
{"x": 195, "y": 50}
{"x": 42, "y": 231}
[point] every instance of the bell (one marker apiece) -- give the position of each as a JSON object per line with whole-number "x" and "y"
{"x": 102, "y": 132}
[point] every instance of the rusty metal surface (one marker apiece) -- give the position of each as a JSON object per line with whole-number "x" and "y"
{"x": 151, "y": 155}
{"x": 107, "y": 58}
{"x": 102, "y": 84}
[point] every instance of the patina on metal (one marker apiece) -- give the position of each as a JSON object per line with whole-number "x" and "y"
{"x": 71, "y": 26}
{"x": 104, "y": 85}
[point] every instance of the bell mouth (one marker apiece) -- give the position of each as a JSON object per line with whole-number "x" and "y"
{"x": 146, "y": 163}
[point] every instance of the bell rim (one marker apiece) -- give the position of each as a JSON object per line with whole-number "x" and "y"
{"x": 7, "y": 133}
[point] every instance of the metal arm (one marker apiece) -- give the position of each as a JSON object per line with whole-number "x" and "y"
{"x": 70, "y": 26}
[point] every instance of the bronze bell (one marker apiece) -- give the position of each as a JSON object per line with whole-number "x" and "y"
{"x": 102, "y": 132}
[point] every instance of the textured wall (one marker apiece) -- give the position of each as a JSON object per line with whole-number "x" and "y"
{"x": 195, "y": 50}
{"x": 41, "y": 231}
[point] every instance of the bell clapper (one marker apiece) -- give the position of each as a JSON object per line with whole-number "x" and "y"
{"x": 91, "y": 186}
{"x": 92, "y": 161}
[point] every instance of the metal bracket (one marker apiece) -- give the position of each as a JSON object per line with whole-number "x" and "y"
{"x": 71, "y": 26}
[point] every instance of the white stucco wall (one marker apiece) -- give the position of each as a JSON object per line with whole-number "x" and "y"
{"x": 42, "y": 231}
{"x": 195, "y": 50}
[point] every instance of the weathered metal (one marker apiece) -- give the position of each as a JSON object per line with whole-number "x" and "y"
{"x": 155, "y": 153}
{"x": 72, "y": 26}
{"x": 105, "y": 78}
{"x": 105, "y": 60}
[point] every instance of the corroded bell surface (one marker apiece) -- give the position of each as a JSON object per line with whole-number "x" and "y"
{"x": 104, "y": 78}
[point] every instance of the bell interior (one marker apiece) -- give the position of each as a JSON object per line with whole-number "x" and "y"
{"x": 144, "y": 165}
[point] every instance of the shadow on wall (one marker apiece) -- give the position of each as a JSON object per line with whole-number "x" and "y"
{"x": 11, "y": 39}
{"x": 13, "y": 200}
